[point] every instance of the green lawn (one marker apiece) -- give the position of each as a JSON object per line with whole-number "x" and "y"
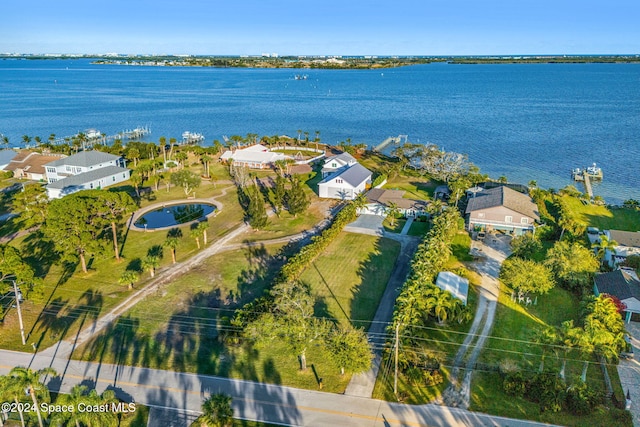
{"x": 350, "y": 277}
{"x": 396, "y": 227}
{"x": 178, "y": 327}
{"x": 603, "y": 217}
{"x": 69, "y": 299}
{"x": 418, "y": 228}
{"x": 512, "y": 339}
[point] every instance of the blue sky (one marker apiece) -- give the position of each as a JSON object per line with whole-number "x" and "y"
{"x": 327, "y": 27}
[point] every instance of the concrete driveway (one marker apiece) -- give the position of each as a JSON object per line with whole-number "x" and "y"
{"x": 629, "y": 372}
{"x": 367, "y": 224}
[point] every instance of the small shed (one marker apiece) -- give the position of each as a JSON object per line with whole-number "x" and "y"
{"x": 456, "y": 285}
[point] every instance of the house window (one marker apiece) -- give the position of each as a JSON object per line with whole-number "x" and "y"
{"x": 114, "y": 179}
{"x": 480, "y": 214}
{"x": 508, "y": 219}
{"x": 68, "y": 168}
{"x": 91, "y": 185}
{"x": 524, "y": 220}
{"x": 334, "y": 165}
{"x": 339, "y": 181}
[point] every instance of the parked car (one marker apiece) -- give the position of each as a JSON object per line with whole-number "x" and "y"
{"x": 481, "y": 235}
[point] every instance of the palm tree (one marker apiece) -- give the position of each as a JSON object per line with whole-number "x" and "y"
{"x": 11, "y": 390}
{"x": 74, "y": 399}
{"x": 547, "y": 337}
{"x": 216, "y": 411}
{"x": 602, "y": 246}
{"x": 317, "y": 139}
{"x": 360, "y": 202}
{"x": 128, "y": 278}
{"x": 206, "y": 159}
{"x": 151, "y": 262}
{"x": 5, "y": 140}
{"x": 392, "y": 213}
{"x": 29, "y": 380}
{"x": 26, "y": 139}
{"x": 204, "y": 226}
{"x": 172, "y": 243}
{"x": 196, "y": 232}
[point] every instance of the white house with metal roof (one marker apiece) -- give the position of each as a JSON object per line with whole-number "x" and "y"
{"x": 345, "y": 183}
{"x": 254, "y": 157}
{"x": 83, "y": 171}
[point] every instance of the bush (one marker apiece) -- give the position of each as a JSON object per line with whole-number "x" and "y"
{"x": 547, "y": 390}
{"x": 581, "y": 399}
{"x": 515, "y": 384}
{"x": 433, "y": 378}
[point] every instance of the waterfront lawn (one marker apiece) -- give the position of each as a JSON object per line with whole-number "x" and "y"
{"x": 603, "y": 217}
{"x": 350, "y": 277}
{"x": 415, "y": 187}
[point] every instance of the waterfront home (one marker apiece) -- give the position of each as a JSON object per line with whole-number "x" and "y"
{"x": 380, "y": 201}
{"x": 31, "y": 165}
{"x": 624, "y": 285}
{"x": 254, "y": 157}
{"x": 345, "y": 183}
{"x": 337, "y": 163}
{"x": 628, "y": 243}
{"x": 501, "y": 209}
{"x": 83, "y": 171}
{"x": 5, "y": 158}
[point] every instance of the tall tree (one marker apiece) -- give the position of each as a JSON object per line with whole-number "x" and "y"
{"x": 216, "y": 412}
{"x": 31, "y": 382}
{"x": 572, "y": 264}
{"x": 31, "y": 205}
{"x": 151, "y": 262}
{"x": 187, "y": 180}
{"x": 349, "y": 349}
{"x": 128, "y": 278}
{"x": 256, "y": 210}
{"x": 296, "y": 198}
{"x": 604, "y": 245}
{"x": 75, "y": 227}
{"x": 526, "y": 276}
{"x": 13, "y": 267}
{"x": 114, "y": 208}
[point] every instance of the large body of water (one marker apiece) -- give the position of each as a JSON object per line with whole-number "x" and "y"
{"x": 524, "y": 121}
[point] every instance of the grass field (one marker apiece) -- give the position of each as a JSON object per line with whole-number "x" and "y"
{"x": 603, "y": 217}
{"x": 349, "y": 278}
{"x": 512, "y": 339}
{"x": 178, "y": 328}
{"x": 68, "y": 298}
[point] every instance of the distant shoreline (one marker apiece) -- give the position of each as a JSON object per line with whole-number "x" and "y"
{"x": 330, "y": 62}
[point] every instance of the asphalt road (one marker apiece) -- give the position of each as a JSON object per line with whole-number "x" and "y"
{"x": 251, "y": 400}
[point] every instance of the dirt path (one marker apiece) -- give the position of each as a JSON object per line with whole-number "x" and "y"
{"x": 495, "y": 251}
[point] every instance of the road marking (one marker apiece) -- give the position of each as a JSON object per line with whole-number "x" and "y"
{"x": 262, "y": 402}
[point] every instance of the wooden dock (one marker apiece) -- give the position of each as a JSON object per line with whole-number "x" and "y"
{"x": 587, "y": 185}
{"x": 392, "y": 139}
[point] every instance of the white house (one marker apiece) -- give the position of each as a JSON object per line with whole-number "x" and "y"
{"x": 338, "y": 162}
{"x": 345, "y": 183}
{"x": 628, "y": 244}
{"x": 83, "y": 171}
{"x": 255, "y": 157}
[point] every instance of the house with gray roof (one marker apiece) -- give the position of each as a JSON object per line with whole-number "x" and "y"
{"x": 628, "y": 243}
{"x": 338, "y": 162}
{"x": 503, "y": 209}
{"x": 624, "y": 285}
{"x": 345, "y": 183}
{"x": 380, "y": 201}
{"x": 83, "y": 171}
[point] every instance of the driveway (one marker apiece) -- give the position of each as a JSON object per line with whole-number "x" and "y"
{"x": 629, "y": 372}
{"x": 367, "y": 224}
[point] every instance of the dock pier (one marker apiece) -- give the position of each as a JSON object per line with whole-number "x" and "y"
{"x": 392, "y": 139}
{"x": 587, "y": 186}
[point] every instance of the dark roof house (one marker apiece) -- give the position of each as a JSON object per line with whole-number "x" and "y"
{"x": 622, "y": 284}
{"x": 502, "y": 208}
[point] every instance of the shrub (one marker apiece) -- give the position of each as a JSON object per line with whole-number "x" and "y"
{"x": 581, "y": 399}
{"x": 515, "y": 384}
{"x": 433, "y": 378}
{"x": 548, "y": 391}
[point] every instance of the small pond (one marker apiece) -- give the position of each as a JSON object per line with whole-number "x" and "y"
{"x": 168, "y": 216}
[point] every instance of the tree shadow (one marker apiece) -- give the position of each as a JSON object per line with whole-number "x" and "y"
{"x": 40, "y": 252}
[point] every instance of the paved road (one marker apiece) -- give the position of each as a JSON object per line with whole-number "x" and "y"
{"x": 251, "y": 400}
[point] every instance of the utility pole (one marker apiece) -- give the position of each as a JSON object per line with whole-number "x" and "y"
{"x": 395, "y": 378}
{"x": 15, "y": 293}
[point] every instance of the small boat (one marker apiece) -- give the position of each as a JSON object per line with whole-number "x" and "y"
{"x": 192, "y": 137}
{"x": 593, "y": 172}
{"x": 301, "y": 77}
